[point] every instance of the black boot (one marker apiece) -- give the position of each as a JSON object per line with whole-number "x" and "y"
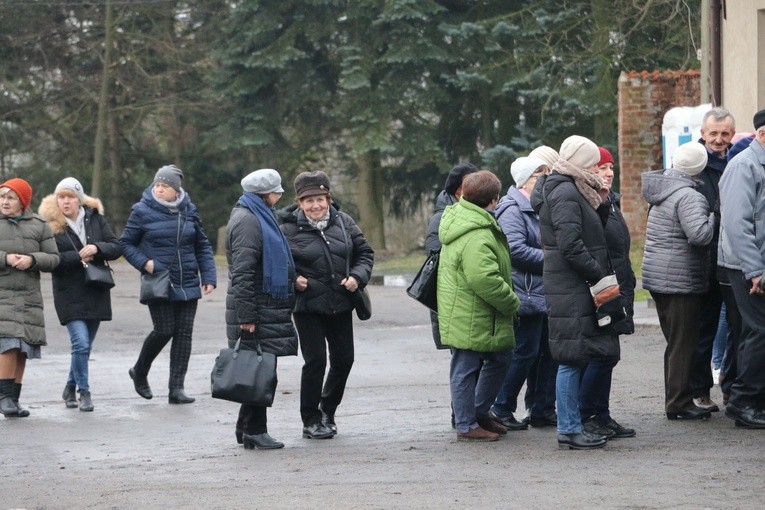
{"x": 70, "y": 396}
{"x": 178, "y": 396}
{"x": 22, "y": 413}
{"x": 7, "y": 406}
{"x": 141, "y": 384}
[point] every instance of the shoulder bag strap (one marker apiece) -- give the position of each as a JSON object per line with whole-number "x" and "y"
{"x": 347, "y": 248}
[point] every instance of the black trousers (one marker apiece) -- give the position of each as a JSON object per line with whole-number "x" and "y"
{"x": 733, "y": 316}
{"x": 711, "y": 303}
{"x": 679, "y": 320}
{"x": 252, "y": 419}
{"x": 749, "y": 386}
{"x": 172, "y": 320}
{"x": 317, "y": 332}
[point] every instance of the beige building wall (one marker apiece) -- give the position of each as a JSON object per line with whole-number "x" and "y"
{"x": 743, "y": 60}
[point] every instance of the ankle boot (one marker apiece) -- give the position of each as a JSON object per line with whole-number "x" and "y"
{"x": 178, "y": 396}
{"x": 7, "y": 406}
{"x": 22, "y": 413}
{"x": 141, "y": 384}
{"x": 85, "y": 403}
{"x": 70, "y": 396}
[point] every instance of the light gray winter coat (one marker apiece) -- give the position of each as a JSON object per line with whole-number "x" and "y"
{"x": 742, "y": 197}
{"x": 21, "y": 302}
{"x": 679, "y": 230}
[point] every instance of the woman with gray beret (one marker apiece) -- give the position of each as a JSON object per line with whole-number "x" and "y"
{"x": 260, "y": 292}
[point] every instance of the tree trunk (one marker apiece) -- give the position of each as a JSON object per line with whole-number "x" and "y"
{"x": 103, "y": 102}
{"x": 370, "y": 199}
{"x": 116, "y": 207}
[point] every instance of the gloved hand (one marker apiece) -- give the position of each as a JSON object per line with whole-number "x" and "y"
{"x": 608, "y": 301}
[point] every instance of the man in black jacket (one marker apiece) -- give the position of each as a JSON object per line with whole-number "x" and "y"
{"x": 717, "y": 129}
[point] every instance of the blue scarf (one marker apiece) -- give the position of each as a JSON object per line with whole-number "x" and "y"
{"x": 277, "y": 257}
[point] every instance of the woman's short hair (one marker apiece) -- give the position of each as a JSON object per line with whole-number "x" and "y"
{"x": 481, "y": 188}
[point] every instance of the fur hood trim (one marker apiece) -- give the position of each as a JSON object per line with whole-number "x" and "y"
{"x": 52, "y": 214}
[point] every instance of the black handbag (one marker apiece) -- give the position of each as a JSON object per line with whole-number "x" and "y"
{"x": 155, "y": 286}
{"x": 425, "y": 284}
{"x": 362, "y": 303}
{"x": 99, "y": 277}
{"x": 244, "y": 376}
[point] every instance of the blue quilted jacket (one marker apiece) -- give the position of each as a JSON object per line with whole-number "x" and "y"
{"x": 152, "y": 233}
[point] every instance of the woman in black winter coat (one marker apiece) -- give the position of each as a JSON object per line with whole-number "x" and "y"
{"x": 260, "y": 292}
{"x": 164, "y": 233}
{"x": 332, "y": 260}
{"x": 595, "y": 389}
{"x": 83, "y": 236}
{"x": 572, "y": 217}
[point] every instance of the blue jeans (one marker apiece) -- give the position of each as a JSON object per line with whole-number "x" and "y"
{"x": 721, "y": 340}
{"x": 595, "y": 389}
{"x": 567, "y": 394}
{"x": 81, "y": 334}
{"x": 528, "y": 336}
{"x": 474, "y": 380}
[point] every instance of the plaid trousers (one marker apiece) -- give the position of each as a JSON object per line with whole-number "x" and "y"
{"x": 172, "y": 320}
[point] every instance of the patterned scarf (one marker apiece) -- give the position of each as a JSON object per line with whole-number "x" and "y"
{"x": 586, "y": 182}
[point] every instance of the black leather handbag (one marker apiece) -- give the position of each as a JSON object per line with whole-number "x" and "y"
{"x": 99, "y": 277}
{"x": 155, "y": 286}
{"x": 425, "y": 284}
{"x": 244, "y": 376}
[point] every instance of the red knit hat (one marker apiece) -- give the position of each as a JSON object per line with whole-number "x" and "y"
{"x": 22, "y": 189}
{"x": 605, "y": 156}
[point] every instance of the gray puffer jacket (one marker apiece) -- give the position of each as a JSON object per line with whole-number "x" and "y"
{"x": 679, "y": 230}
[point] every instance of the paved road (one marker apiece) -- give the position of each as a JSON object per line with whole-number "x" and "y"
{"x": 395, "y": 448}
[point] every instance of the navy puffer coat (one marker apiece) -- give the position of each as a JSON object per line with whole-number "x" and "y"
{"x": 174, "y": 239}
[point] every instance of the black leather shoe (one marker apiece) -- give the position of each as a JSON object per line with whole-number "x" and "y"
{"x": 329, "y": 421}
{"x": 549, "y": 420}
{"x": 509, "y": 422}
{"x": 695, "y": 413}
{"x": 141, "y": 385}
{"x": 619, "y": 431}
{"x": 178, "y": 396}
{"x": 580, "y": 441}
{"x": 746, "y": 417}
{"x": 595, "y": 428}
{"x": 317, "y": 431}
{"x": 261, "y": 442}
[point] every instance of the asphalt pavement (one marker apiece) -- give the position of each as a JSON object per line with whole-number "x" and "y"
{"x": 395, "y": 447}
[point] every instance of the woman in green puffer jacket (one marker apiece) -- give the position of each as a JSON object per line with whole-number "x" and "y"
{"x": 476, "y": 305}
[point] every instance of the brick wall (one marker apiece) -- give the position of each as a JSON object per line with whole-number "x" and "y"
{"x": 644, "y": 98}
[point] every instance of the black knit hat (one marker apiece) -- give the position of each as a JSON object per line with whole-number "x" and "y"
{"x": 454, "y": 179}
{"x": 759, "y": 119}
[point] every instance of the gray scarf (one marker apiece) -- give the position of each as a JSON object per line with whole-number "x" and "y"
{"x": 319, "y": 224}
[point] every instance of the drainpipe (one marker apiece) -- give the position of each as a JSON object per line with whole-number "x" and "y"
{"x": 715, "y": 42}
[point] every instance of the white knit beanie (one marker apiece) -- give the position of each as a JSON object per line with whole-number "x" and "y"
{"x": 690, "y": 158}
{"x": 523, "y": 168}
{"x": 546, "y": 154}
{"x": 73, "y": 185}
